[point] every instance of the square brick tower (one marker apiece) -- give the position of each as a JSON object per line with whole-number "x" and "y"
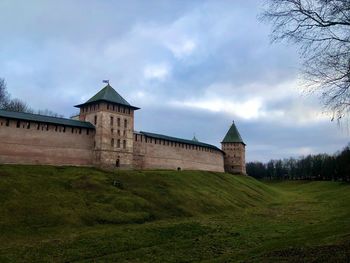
{"x": 234, "y": 148}
{"x": 113, "y": 118}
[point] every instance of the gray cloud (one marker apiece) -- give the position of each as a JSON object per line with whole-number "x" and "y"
{"x": 193, "y": 66}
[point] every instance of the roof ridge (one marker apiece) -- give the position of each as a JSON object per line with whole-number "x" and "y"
{"x": 42, "y": 115}
{"x": 198, "y": 143}
{"x": 46, "y": 118}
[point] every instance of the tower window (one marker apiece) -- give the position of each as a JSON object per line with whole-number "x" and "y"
{"x": 95, "y": 119}
{"x": 125, "y": 123}
{"x": 7, "y": 122}
{"x": 112, "y": 142}
{"x": 118, "y": 143}
{"x": 124, "y": 144}
{"x": 118, "y": 122}
{"x": 111, "y": 121}
{"x": 18, "y": 124}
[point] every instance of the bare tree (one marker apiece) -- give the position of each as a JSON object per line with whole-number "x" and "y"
{"x": 18, "y": 105}
{"x": 4, "y": 97}
{"x": 47, "y": 112}
{"x": 321, "y": 28}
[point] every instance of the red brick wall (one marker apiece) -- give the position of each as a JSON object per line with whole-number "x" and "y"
{"x": 160, "y": 155}
{"x": 41, "y": 146}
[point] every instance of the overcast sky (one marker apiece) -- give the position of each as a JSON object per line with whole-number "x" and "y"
{"x": 192, "y": 67}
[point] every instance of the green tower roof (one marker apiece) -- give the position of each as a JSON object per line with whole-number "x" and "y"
{"x": 233, "y": 135}
{"x": 108, "y": 94}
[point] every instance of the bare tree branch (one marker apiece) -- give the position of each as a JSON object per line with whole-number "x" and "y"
{"x": 321, "y": 29}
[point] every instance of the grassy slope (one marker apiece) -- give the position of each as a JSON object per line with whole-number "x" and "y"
{"x": 65, "y": 214}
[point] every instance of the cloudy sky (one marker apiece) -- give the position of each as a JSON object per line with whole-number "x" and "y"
{"x": 192, "y": 66}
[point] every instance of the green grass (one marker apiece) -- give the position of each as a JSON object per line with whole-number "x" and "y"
{"x": 68, "y": 214}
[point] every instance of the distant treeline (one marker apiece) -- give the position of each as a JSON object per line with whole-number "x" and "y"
{"x": 311, "y": 167}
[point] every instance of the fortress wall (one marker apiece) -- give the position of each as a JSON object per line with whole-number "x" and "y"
{"x": 34, "y": 143}
{"x": 150, "y": 153}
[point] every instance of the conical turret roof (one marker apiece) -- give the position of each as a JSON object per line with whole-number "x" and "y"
{"x": 108, "y": 94}
{"x": 233, "y": 135}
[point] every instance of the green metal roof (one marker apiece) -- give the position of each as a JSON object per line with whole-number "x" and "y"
{"x": 179, "y": 140}
{"x": 45, "y": 119}
{"x": 108, "y": 94}
{"x": 233, "y": 135}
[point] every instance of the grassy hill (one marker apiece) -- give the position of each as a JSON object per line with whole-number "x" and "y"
{"x": 67, "y": 214}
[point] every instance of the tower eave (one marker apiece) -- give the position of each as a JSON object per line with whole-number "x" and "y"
{"x": 94, "y": 102}
{"x": 233, "y": 142}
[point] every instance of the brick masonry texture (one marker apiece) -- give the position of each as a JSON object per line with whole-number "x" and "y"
{"x": 41, "y": 146}
{"x": 162, "y": 154}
